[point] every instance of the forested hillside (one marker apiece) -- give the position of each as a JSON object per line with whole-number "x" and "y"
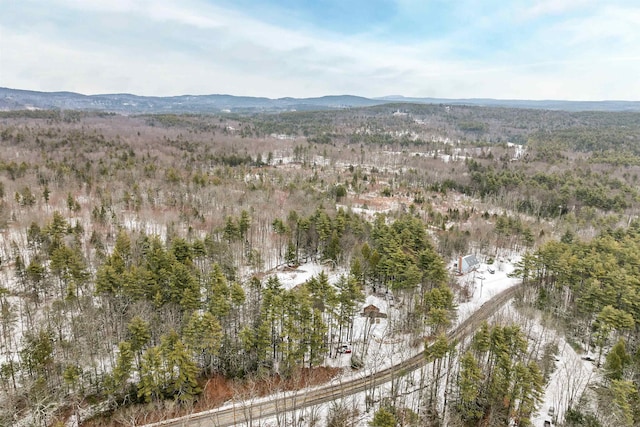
{"x": 592, "y": 288}
{"x": 139, "y": 255}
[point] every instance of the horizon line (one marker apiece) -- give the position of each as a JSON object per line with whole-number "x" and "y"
{"x": 372, "y": 98}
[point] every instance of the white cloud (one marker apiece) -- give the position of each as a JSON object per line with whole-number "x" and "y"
{"x": 552, "y": 7}
{"x": 615, "y": 26}
{"x": 218, "y": 50}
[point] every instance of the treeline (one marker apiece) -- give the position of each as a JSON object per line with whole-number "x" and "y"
{"x": 298, "y": 123}
{"x": 593, "y": 288}
{"x": 549, "y": 194}
{"x": 620, "y": 137}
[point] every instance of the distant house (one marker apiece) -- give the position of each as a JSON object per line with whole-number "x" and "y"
{"x": 467, "y": 263}
{"x": 373, "y": 312}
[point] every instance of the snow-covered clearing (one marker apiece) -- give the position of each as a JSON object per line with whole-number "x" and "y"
{"x": 291, "y": 277}
{"x": 373, "y": 340}
{"x": 380, "y": 346}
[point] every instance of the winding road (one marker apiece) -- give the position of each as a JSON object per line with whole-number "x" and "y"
{"x": 246, "y": 412}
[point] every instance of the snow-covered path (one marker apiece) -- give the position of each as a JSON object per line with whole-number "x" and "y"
{"x": 568, "y": 381}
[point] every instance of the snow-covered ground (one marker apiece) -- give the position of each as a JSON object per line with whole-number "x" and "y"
{"x": 572, "y": 374}
{"x": 376, "y": 341}
{"x": 484, "y": 285}
{"x": 290, "y": 278}
{"x": 566, "y": 385}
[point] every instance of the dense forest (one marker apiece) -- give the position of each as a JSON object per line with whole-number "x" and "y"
{"x": 138, "y": 256}
{"x": 592, "y": 288}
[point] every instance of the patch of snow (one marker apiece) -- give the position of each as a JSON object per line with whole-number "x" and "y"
{"x": 290, "y": 278}
{"x": 150, "y": 228}
{"x": 283, "y": 137}
{"x": 483, "y": 285}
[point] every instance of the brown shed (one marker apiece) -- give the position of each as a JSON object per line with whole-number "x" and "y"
{"x": 373, "y": 312}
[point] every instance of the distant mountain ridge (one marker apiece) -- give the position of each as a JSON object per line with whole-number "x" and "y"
{"x": 549, "y": 104}
{"x": 17, "y": 99}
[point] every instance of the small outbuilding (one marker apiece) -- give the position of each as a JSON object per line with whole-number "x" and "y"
{"x": 373, "y": 312}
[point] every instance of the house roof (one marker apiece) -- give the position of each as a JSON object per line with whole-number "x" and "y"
{"x": 468, "y": 263}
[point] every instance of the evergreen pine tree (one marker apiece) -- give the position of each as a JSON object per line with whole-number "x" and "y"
{"x": 152, "y": 383}
{"x": 469, "y": 389}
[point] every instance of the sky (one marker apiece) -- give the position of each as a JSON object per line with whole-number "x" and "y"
{"x": 506, "y": 49}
